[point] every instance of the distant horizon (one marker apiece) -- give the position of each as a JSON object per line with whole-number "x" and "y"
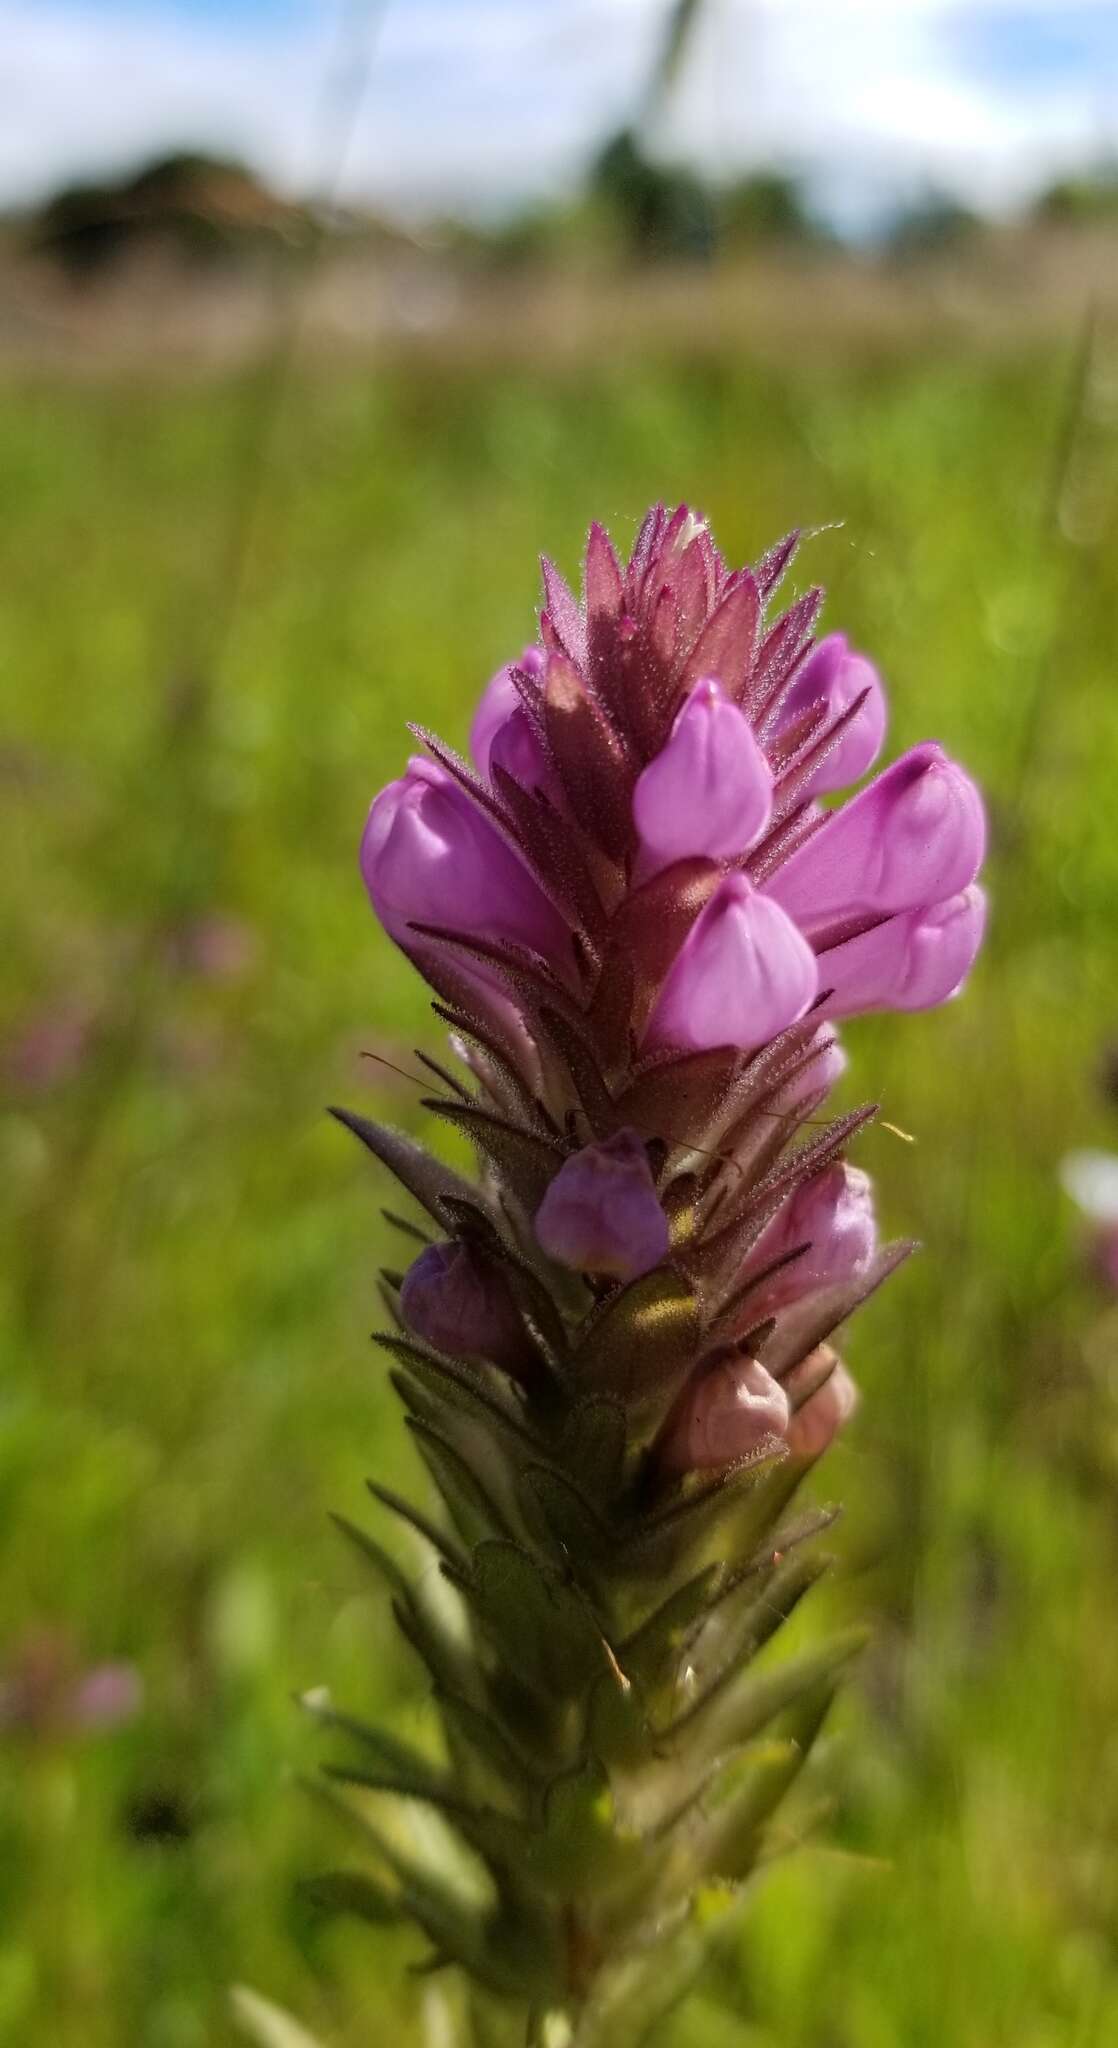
{"x": 481, "y": 110}
{"x": 876, "y": 225}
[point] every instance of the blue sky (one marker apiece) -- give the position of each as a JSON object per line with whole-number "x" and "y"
{"x": 1014, "y": 45}
{"x": 484, "y": 101}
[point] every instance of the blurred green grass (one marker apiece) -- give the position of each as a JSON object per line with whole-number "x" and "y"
{"x": 187, "y": 1385}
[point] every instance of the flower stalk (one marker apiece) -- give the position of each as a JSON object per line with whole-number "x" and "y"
{"x": 640, "y": 923}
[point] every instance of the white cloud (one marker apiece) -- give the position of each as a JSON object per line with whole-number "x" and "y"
{"x": 471, "y": 100}
{"x": 858, "y": 90}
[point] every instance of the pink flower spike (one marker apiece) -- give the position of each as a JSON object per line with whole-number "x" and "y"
{"x": 734, "y": 1409}
{"x": 836, "y": 676}
{"x": 913, "y": 836}
{"x": 910, "y": 962}
{"x": 601, "y": 1213}
{"x": 709, "y": 789}
{"x": 430, "y": 856}
{"x": 743, "y": 974}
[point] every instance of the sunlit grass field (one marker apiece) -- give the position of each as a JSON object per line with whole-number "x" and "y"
{"x": 212, "y": 637}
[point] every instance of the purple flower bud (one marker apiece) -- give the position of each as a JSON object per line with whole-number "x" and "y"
{"x": 708, "y": 791}
{"x": 430, "y": 856}
{"x": 458, "y": 1301}
{"x": 815, "y": 1425}
{"x": 915, "y": 835}
{"x": 910, "y": 962}
{"x": 602, "y": 1214}
{"x": 835, "y": 676}
{"x": 831, "y": 1214}
{"x": 731, "y": 1411}
{"x": 743, "y": 974}
{"x": 502, "y": 734}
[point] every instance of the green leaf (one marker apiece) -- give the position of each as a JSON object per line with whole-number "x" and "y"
{"x": 416, "y": 1169}
{"x": 593, "y": 1444}
{"x": 458, "y": 1389}
{"x": 528, "y": 1158}
{"x": 406, "y": 1765}
{"x": 641, "y": 1346}
{"x": 502, "y": 1950}
{"x": 447, "y": 1660}
{"x": 472, "y": 1509}
{"x": 352, "y": 1893}
{"x": 732, "y": 1840}
{"x": 659, "y": 1639}
{"x": 741, "y": 1628}
{"x": 617, "y": 1726}
{"x": 438, "y": 1539}
{"x": 737, "y": 1712}
{"x": 581, "y": 1847}
{"x": 490, "y": 1834}
{"x": 570, "y": 1520}
{"x": 544, "y": 1632}
{"x": 698, "y": 1525}
{"x": 629, "y": 2000}
{"x": 374, "y": 1554}
{"x": 482, "y": 1733}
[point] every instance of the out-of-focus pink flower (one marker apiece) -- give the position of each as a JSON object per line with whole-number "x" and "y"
{"x": 107, "y": 1695}
{"x": 45, "y": 1692}
{"x": 51, "y": 1046}
{"x": 215, "y": 947}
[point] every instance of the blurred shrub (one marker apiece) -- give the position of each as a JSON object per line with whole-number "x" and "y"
{"x": 768, "y": 206}
{"x": 932, "y": 224}
{"x": 200, "y": 207}
{"x": 1090, "y": 196}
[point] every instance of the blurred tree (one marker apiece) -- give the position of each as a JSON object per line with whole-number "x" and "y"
{"x": 657, "y": 209}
